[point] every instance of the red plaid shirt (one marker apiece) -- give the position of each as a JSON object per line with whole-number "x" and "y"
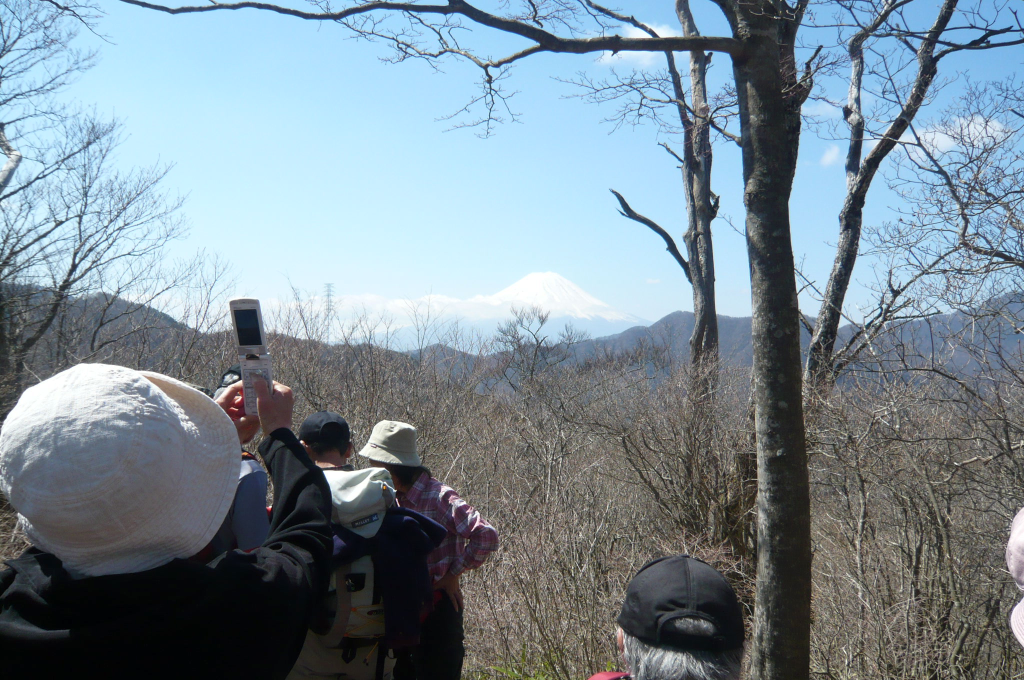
{"x": 470, "y": 538}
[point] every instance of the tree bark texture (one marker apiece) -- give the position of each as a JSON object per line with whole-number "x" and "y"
{"x": 770, "y": 95}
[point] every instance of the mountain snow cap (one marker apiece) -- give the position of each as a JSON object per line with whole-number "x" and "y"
{"x": 556, "y": 295}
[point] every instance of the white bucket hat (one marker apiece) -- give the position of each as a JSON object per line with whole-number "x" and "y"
{"x": 392, "y": 442}
{"x": 1015, "y": 564}
{"x": 118, "y": 471}
{"x": 359, "y": 498}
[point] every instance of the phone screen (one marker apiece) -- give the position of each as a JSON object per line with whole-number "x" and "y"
{"x": 248, "y": 324}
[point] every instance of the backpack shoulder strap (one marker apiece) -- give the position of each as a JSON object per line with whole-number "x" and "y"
{"x": 334, "y": 636}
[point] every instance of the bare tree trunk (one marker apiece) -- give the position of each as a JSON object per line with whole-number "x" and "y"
{"x": 704, "y": 337}
{"x": 701, "y": 209}
{"x": 770, "y": 96}
{"x": 701, "y": 206}
{"x": 700, "y": 212}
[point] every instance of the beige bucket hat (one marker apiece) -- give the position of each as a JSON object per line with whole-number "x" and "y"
{"x": 392, "y": 442}
{"x": 118, "y": 471}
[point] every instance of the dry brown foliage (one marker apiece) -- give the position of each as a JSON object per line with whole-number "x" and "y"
{"x": 590, "y": 465}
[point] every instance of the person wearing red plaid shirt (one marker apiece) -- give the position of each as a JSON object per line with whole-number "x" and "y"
{"x": 470, "y": 540}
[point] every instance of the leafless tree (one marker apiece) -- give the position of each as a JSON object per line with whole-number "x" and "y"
{"x": 896, "y": 58}
{"x": 964, "y": 176}
{"x": 918, "y": 474}
{"x": 931, "y": 418}
{"x": 957, "y": 246}
{"x": 771, "y": 87}
{"x": 38, "y": 61}
{"x": 646, "y": 95}
{"x": 80, "y": 240}
{"x": 84, "y": 272}
{"x": 87, "y": 230}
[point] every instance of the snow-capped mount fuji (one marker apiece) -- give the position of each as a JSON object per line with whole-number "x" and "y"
{"x": 563, "y": 300}
{"x": 556, "y": 295}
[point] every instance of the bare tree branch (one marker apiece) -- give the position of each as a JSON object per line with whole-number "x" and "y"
{"x": 670, "y": 244}
{"x": 546, "y": 41}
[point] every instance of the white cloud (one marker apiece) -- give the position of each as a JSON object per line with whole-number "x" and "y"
{"x": 639, "y": 60}
{"x": 548, "y": 290}
{"x": 936, "y": 141}
{"x": 970, "y": 132}
{"x": 653, "y": 281}
{"x": 973, "y": 132}
{"x": 831, "y": 156}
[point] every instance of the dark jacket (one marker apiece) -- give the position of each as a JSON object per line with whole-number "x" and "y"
{"x": 243, "y": 615}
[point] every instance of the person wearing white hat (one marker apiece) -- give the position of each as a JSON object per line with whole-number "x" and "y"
{"x": 119, "y": 479}
{"x": 440, "y": 652}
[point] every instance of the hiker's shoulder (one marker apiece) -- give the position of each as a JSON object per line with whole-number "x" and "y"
{"x": 609, "y": 675}
{"x": 431, "y": 486}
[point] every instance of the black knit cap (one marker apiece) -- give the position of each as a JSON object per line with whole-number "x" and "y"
{"x": 327, "y": 428}
{"x": 681, "y": 586}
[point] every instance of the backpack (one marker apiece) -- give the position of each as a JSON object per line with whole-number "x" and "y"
{"x": 351, "y": 635}
{"x": 359, "y": 499}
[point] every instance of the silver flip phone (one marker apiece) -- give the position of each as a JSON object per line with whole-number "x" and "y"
{"x": 253, "y": 357}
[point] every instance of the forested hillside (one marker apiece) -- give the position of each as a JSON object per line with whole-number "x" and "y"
{"x": 589, "y": 464}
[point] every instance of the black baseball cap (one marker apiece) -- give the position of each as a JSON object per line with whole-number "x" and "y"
{"x": 227, "y": 379}
{"x": 231, "y": 376}
{"x": 682, "y": 586}
{"x": 327, "y": 428}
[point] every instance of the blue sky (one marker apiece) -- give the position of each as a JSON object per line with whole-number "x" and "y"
{"x": 306, "y": 161}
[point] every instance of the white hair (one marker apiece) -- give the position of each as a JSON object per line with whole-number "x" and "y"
{"x": 651, "y": 662}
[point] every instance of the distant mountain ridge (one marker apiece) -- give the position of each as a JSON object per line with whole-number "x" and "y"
{"x": 938, "y": 338}
{"x": 672, "y": 333}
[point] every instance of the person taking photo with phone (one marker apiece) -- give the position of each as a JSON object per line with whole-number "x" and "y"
{"x": 120, "y": 478}
{"x": 246, "y": 525}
